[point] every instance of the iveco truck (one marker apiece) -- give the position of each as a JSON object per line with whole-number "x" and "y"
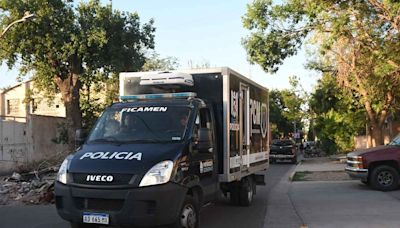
{"x": 175, "y": 141}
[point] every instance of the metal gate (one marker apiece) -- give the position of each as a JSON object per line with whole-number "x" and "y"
{"x": 13, "y": 139}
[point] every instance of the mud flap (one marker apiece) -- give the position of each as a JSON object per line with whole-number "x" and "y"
{"x": 259, "y": 178}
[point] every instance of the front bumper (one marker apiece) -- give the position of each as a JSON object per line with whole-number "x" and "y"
{"x": 282, "y": 156}
{"x": 357, "y": 173}
{"x": 146, "y": 206}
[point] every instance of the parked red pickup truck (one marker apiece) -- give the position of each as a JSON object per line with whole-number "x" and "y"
{"x": 378, "y": 167}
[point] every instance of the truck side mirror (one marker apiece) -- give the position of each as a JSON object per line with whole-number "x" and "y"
{"x": 80, "y": 137}
{"x": 205, "y": 142}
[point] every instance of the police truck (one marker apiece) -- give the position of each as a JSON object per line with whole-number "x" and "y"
{"x": 177, "y": 140}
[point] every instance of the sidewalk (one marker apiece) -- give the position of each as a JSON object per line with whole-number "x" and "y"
{"x": 319, "y": 169}
{"x": 319, "y": 164}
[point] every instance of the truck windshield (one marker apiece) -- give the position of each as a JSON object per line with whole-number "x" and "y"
{"x": 141, "y": 124}
{"x": 278, "y": 142}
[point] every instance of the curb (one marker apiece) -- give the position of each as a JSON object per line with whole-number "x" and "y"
{"x": 294, "y": 171}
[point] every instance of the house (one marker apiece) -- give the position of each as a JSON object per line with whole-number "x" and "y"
{"x": 24, "y": 99}
{"x": 29, "y": 126}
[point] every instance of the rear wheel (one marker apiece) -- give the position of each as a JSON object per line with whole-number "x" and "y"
{"x": 189, "y": 214}
{"x": 234, "y": 195}
{"x": 384, "y": 178}
{"x": 247, "y": 190}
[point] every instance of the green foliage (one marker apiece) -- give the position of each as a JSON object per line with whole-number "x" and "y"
{"x": 276, "y": 106}
{"x": 68, "y": 45}
{"x": 155, "y": 63}
{"x": 357, "y": 40}
{"x": 286, "y": 109}
{"x": 338, "y": 116}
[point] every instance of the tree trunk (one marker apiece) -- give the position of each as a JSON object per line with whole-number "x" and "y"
{"x": 376, "y": 134}
{"x": 69, "y": 88}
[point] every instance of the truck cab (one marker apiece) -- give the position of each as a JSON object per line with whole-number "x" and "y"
{"x": 141, "y": 145}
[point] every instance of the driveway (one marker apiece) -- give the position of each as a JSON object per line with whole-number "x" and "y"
{"x": 344, "y": 204}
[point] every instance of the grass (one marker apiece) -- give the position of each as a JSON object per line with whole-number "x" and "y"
{"x": 301, "y": 176}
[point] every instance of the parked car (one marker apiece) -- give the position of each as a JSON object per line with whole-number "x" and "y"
{"x": 378, "y": 167}
{"x": 311, "y": 149}
{"x": 284, "y": 149}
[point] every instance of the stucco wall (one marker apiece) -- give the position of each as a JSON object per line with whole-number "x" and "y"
{"x": 45, "y": 130}
{"x": 29, "y": 140}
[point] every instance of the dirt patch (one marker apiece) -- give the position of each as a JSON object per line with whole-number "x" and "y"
{"x": 321, "y": 176}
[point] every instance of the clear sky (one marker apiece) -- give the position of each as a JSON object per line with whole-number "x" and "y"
{"x": 203, "y": 31}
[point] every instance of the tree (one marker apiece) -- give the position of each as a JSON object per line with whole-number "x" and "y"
{"x": 276, "y": 107}
{"x": 67, "y": 45}
{"x": 357, "y": 41}
{"x": 286, "y": 108}
{"x": 155, "y": 63}
{"x": 338, "y": 115}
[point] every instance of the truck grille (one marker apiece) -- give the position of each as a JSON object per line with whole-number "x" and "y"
{"x": 118, "y": 179}
{"x": 99, "y": 204}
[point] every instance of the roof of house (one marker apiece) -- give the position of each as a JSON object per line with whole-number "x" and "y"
{"x": 15, "y": 86}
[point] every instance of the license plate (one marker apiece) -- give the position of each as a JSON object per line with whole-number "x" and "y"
{"x": 96, "y": 218}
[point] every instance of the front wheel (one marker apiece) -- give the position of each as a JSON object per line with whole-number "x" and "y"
{"x": 189, "y": 214}
{"x": 384, "y": 178}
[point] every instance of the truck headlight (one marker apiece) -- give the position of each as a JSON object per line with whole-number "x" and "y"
{"x": 62, "y": 172}
{"x": 158, "y": 174}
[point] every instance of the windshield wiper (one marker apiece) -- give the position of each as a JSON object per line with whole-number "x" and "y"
{"x": 106, "y": 140}
{"x": 144, "y": 141}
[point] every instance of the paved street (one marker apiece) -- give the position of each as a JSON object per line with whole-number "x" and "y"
{"x": 279, "y": 204}
{"x": 220, "y": 214}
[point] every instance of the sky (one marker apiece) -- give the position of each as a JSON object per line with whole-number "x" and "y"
{"x": 205, "y": 31}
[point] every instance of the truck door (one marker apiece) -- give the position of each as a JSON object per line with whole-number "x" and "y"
{"x": 203, "y": 162}
{"x": 244, "y": 108}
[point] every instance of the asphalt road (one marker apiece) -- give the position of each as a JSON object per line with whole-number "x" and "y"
{"x": 219, "y": 214}
{"x": 279, "y": 204}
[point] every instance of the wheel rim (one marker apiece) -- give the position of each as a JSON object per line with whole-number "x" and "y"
{"x": 189, "y": 218}
{"x": 250, "y": 194}
{"x": 385, "y": 178}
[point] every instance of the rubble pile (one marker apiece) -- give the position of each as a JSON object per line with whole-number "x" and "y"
{"x": 34, "y": 187}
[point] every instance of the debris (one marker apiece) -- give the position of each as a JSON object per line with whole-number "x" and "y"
{"x": 16, "y": 176}
{"x": 33, "y": 187}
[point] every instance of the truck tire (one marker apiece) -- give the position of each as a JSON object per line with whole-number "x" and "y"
{"x": 246, "y": 193}
{"x": 384, "y": 178}
{"x": 82, "y": 225}
{"x": 234, "y": 195}
{"x": 294, "y": 160}
{"x": 189, "y": 214}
